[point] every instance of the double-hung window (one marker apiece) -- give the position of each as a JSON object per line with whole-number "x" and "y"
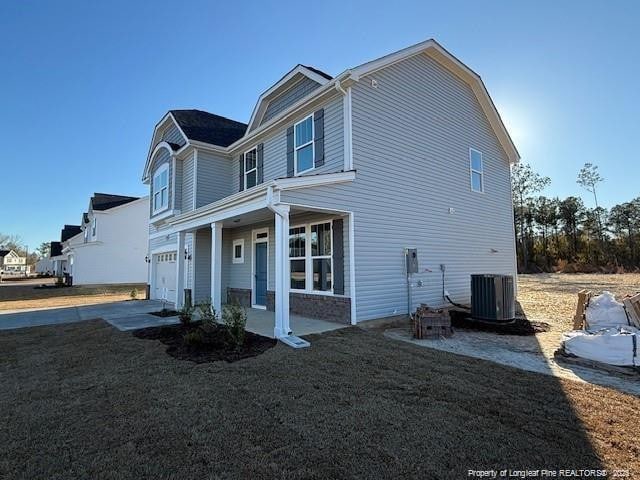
{"x": 476, "y": 166}
{"x": 251, "y": 168}
{"x": 310, "y": 257}
{"x": 93, "y": 228}
{"x": 297, "y": 257}
{"x": 303, "y": 145}
{"x": 161, "y": 189}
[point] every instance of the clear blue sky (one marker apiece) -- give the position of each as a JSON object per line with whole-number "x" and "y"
{"x": 83, "y": 83}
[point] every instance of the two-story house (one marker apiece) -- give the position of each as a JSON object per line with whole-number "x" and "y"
{"x": 111, "y": 244}
{"x": 309, "y": 208}
{"x": 12, "y": 263}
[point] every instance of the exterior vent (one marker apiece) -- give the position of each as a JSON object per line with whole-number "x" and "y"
{"x": 492, "y": 298}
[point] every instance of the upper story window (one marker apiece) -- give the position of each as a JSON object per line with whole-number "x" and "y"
{"x": 303, "y": 144}
{"x": 476, "y": 166}
{"x": 251, "y": 168}
{"x": 86, "y": 234}
{"x": 161, "y": 189}
{"x": 93, "y": 227}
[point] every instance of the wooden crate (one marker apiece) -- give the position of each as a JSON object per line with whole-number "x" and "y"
{"x": 430, "y": 323}
{"x": 632, "y": 307}
{"x": 584, "y": 296}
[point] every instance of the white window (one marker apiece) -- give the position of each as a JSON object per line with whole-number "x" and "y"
{"x": 161, "y": 189}
{"x": 297, "y": 257}
{"x": 251, "y": 168}
{"x": 86, "y": 234}
{"x": 238, "y": 251}
{"x": 477, "y": 170}
{"x": 310, "y": 257}
{"x": 93, "y": 227}
{"x": 303, "y": 145}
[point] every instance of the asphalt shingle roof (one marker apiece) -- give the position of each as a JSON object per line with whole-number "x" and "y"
{"x": 105, "y": 201}
{"x": 209, "y": 127}
{"x": 69, "y": 231}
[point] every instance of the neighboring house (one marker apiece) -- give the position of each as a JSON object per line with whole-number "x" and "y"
{"x": 59, "y": 259}
{"x": 11, "y": 262}
{"x": 110, "y": 246}
{"x": 44, "y": 265}
{"x": 309, "y": 208}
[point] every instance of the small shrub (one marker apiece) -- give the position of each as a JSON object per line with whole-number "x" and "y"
{"x": 208, "y": 315}
{"x": 133, "y": 294}
{"x": 235, "y": 318}
{"x": 195, "y": 337}
{"x": 186, "y": 313}
{"x": 59, "y": 281}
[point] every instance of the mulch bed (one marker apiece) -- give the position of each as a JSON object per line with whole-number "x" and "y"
{"x": 215, "y": 345}
{"x": 520, "y": 326}
{"x": 165, "y": 313}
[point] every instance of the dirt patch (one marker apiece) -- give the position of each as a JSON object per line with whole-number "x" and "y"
{"x": 73, "y": 301}
{"x": 212, "y": 345}
{"x": 552, "y": 297}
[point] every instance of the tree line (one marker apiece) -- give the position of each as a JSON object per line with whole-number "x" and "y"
{"x": 554, "y": 234}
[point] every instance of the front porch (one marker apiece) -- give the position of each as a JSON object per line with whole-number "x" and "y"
{"x": 262, "y": 322}
{"x": 290, "y": 266}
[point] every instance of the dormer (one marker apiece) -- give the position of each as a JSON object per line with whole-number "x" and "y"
{"x": 294, "y": 86}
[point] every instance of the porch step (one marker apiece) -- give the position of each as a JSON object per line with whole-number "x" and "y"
{"x": 294, "y": 342}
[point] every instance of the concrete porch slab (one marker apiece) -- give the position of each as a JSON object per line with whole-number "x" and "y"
{"x": 262, "y": 322}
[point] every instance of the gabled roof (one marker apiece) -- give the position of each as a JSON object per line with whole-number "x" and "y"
{"x": 339, "y": 83}
{"x": 55, "y": 249}
{"x": 447, "y": 60}
{"x": 104, "y": 201}
{"x": 290, "y": 78}
{"x": 69, "y": 231}
{"x": 4, "y": 253}
{"x": 208, "y": 127}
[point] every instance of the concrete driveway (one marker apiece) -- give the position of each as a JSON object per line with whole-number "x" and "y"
{"x": 125, "y": 315}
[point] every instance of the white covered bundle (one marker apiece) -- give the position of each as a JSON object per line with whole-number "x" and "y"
{"x": 614, "y": 345}
{"x": 604, "y": 311}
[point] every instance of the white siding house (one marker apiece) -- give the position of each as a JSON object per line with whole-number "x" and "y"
{"x": 112, "y": 245}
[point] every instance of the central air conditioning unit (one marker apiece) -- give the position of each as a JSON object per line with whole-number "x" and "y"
{"x": 492, "y": 298}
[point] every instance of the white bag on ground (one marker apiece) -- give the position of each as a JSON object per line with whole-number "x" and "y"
{"x": 614, "y": 346}
{"x": 604, "y": 311}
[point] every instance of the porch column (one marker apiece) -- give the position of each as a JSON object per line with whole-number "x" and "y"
{"x": 180, "y": 271}
{"x": 282, "y": 328}
{"x": 216, "y": 266}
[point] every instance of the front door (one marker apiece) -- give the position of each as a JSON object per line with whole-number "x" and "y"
{"x": 260, "y": 293}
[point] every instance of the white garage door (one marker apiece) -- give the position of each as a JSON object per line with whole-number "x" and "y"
{"x": 165, "y": 276}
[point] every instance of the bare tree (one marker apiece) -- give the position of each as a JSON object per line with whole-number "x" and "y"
{"x": 589, "y": 178}
{"x": 524, "y": 183}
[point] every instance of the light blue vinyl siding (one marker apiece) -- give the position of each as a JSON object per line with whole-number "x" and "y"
{"x": 411, "y": 140}
{"x": 173, "y": 135}
{"x": 202, "y": 265}
{"x": 275, "y": 147}
{"x": 215, "y": 178}
{"x": 162, "y": 157}
{"x": 296, "y": 92}
{"x": 238, "y": 275}
{"x": 162, "y": 242}
{"x": 188, "y": 171}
